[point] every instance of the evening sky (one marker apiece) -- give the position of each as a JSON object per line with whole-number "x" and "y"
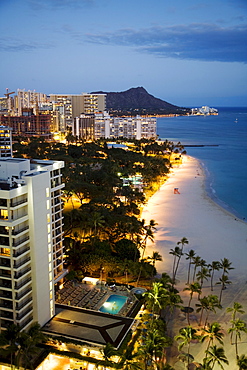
{"x": 187, "y": 52}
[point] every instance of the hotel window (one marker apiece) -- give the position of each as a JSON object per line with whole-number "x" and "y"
{"x": 48, "y": 204}
{"x": 47, "y": 192}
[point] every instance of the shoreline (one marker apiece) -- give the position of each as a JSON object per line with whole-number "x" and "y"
{"x": 211, "y": 194}
{"x": 208, "y": 219}
{"x": 214, "y": 234}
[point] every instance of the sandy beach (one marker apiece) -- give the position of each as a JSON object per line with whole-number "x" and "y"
{"x": 212, "y": 232}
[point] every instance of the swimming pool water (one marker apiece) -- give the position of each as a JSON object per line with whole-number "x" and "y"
{"x": 113, "y": 304}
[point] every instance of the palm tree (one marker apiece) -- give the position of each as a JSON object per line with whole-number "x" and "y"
{"x": 203, "y": 305}
{"x": 9, "y": 340}
{"x": 237, "y": 308}
{"x": 155, "y": 257}
{"x": 238, "y": 326}
{"x": 190, "y": 255}
{"x": 223, "y": 281}
{"x": 28, "y": 344}
{"x": 156, "y": 296}
{"x": 183, "y": 241}
{"x": 196, "y": 262}
{"x": 225, "y": 265}
{"x": 186, "y": 335}
{"x": 214, "y": 332}
{"x": 214, "y": 266}
{"x": 202, "y": 275}
{"x": 129, "y": 360}
{"x": 214, "y": 303}
{"x": 193, "y": 288}
{"x": 216, "y": 356}
{"x": 242, "y": 362}
{"x": 149, "y": 234}
{"x": 176, "y": 252}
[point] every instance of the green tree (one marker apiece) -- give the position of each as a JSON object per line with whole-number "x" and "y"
{"x": 186, "y": 335}
{"x": 237, "y": 308}
{"x": 156, "y": 296}
{"x": 202, "y": 275}
{"x": 214, "y": 266}
{"x": 223, "y": 281}
{"x": 238, "y": 327}
{"x": 176, "y": 252}
{"x": 193, "y": 288}
{"x": 156, "y": 256}
{"x": 213, "y": 332}
{"x": 190, "y": 255}
{"x": 242, "y": 362}
{"x": 216, "y": 355}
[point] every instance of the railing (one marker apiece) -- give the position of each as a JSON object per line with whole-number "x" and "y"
{"x": 12, "y": 204}
{"x": 21, "y": 295}
{"x": 16, "y": 232}
{"x": 20, "y": 306}
{"x": 15, "y": 244}
{"x": 17, "y": 265}
{"x": 26, "y": 312}
{"x": 26, "y": 322}
{"x": 20, "y": 285}
{"x": 20, "y": 274}
{"x": 20, "y": 252}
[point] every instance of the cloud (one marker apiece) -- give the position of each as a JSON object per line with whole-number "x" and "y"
{"x": 205, "y": 42}
{"x": 46, "y": 4}
{"x": 16, "y": 45}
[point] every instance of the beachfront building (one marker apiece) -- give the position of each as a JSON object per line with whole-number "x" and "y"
{"x": 108, "y": 127}
{"x": 72, "y": 106}
{"x": 31, "y": 240}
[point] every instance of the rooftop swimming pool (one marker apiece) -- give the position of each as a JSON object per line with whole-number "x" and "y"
{"x": 113, "y": 304}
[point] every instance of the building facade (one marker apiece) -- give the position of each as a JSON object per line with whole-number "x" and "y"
{"x": 75, "y": 105}
{"x": 31, "y": 240}
{"x": 28, "y": 124}
{"x": 108, "y": 127}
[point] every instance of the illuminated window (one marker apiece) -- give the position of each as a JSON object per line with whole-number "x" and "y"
{"x": 48, "y": 218}
{"x": 50, "y": 285}
{"x": 50, "y": 267}
{"x": 49, "y": 247}
{"x": 48, "y": 204}
{"x": 50, "y": 276}
{"x": 50, "y": 294}
{"x": 49, "y": 228}
{"x": 47, "y": 192}
{"x": 49, "y": 257}
{"x": 49, "y": 238}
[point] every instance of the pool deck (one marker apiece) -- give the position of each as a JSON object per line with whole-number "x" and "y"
{"x": 93, "y": 296}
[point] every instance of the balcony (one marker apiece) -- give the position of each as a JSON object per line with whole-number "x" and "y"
{"x": 16, "y": 232}
{"x": 22, "y": 284}
{"x": 25, "y": 292}
{"x": 21, "y": 252}
{"x": 23, "y": 240}
{"x": 20, "y": 306}
{"x": 15, "y": 204}
{"x": 18, "y": 275}
{"x": 25, "y": 313}
{"x": 21, "y": 263}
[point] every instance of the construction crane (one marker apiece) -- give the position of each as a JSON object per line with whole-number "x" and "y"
{"x": 9, "y": 103}
{"x": 8, "y": 98}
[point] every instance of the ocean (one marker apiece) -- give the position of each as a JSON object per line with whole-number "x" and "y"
{"x": 224, "y": 156}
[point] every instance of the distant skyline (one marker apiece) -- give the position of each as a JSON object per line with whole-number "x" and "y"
{"x": 188, "y": 53}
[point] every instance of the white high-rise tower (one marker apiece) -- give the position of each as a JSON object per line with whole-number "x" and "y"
{"x": 31, "y": 239}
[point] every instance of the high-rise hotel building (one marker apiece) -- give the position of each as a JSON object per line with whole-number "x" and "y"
{"x": 31, "y": 239}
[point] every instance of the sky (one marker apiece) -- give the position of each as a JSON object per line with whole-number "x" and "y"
{"x": 187, "y": 52}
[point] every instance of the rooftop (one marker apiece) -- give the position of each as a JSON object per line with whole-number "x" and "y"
{"x": 88, "y": 326}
